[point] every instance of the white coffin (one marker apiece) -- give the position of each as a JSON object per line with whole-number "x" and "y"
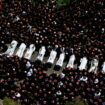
{"x": 11, "y": 48}
{"x": 94, "y": 66}
{"x": 71, "y": 61}
{"x": 21, "y": 50}
{"x": 41, "y": 53}
{"x": 29, "y": 52}
{"x": 61, "y": 60}
{"x": 83, "y": 63}
{"x": 52, "y": 57}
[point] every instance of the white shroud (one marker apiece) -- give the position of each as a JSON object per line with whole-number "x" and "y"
{"x": 61, "y": 60}
{"x": 94, "y": 66}
{"x": 103, "y": 67}
{"x": 21, "y": 50}
{"x": 29, "y": 52}
{"x": 83, "y": 63}
{"x": 52, "y": 57}
{"x": 71, "y": 61}
{"x": 41, "y": 53}
{"x": 11, "y": 48}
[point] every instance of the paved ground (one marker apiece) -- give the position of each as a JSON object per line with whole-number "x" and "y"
{"x": 1, "y": 102}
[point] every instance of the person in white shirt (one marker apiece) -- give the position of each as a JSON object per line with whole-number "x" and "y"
{"x": 17, "y": 18}
{"x": 97, "y": 94}
{"x": 60, "y": 84}
{"x": 62, "y": 75}
{"x": 30, "y": 72}
{"x": 18, "y": 95}
{"x": 84, "y": 78}
{"x": 96, "y": 81}
{"x": 59, "y": 93}
{"x": 28, "y": 64}
{"x": 29, "y": 28}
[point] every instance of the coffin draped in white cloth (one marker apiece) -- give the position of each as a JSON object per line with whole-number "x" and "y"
{"x": 71, "y": 61}
{"x": 83, "y": 63}
{"x": 21, "y": 50}
{"x": 103, "y": 67}
{"x": 94, "y": 66}
{"x": 61, "y": 60}
{"x": 41, "y": 53}
{"x": 11, "y": 48}
{"x": 29, "y": 52}
{"x": 52, "y": 57}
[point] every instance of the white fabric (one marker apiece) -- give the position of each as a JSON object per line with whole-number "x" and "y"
{"x": 17, "y": 18}
{"x": 96, "y": 81}
{"x": 71, "y": 61}
{"x": 83, "y": 63}
{"x": 29, "y": 52}
{"x": 28, "y": 64}
{"x": 52, "y": 57}
{"x": 103, "y": 68}
{"x": 58, "y": 93}
{"x": 83, "y": 79}
{"x": 97, "y": 94}
{"x": 30, "y": 73}
{"x": 21, "y": 50}
{"x": 60, "y": 84}
{"x": 11, "y": 48}
{"x": 18, "y": 95}
{"x": 61, "y": 60}
{"x": 41, "y": 53}
{"x": 94, "y": 66}
{"x": 62, "y": 75}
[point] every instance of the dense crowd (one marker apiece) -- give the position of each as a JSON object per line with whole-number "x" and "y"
{"x": 29, "y": 84}
{"x": 78, "y": 28}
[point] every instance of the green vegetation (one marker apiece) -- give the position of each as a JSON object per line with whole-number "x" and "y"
{"x": 77, "y": 101}
{"x": 61, "y": 3}
{"x": 8, "y": 101}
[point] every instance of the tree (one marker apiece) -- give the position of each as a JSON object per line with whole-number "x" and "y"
{"x": 77, "y": 101}
{"x": 8, "y": 101}
{"x": 61, "y": 3}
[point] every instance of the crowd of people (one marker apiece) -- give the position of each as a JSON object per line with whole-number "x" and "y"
{"x": 28, "y": 83}
{"x": 78, "y": 28}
